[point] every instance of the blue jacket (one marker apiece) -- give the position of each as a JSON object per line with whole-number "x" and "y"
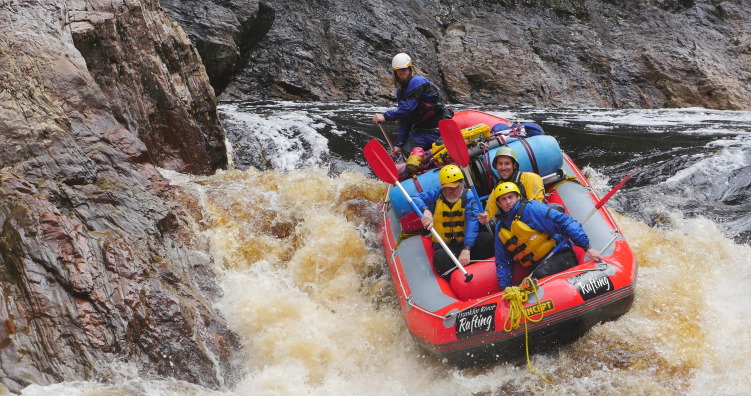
{"x": 418, "y": 90}
{"x": 428, "y": 199}
{"x": 562, "y": 227}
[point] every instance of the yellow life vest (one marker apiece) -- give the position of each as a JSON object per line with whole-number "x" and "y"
{"x": 525, "y": 244}
{"x": 448, "y": 219}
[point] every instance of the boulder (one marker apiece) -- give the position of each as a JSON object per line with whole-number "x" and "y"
{"x": 99, "y": 263}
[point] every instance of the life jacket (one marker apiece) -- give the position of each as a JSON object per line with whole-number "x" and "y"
{"x": 525, "y": 244}
{"x": 428, "y": 114}
{"x": 516, "y": 178}
{"x": 448, "y": 219}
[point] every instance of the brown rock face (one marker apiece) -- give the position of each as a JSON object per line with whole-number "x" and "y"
{"x": 154, "y": 82}
{"x": 98, "y": 260}
{"x": 224, "y": 32}
{"x": 604, "y": 53}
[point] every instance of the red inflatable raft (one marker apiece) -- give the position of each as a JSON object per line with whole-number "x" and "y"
{"x": 468, "y": 323}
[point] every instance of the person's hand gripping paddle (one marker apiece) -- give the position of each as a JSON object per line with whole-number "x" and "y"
{"x": 457, "y": 149}
{"x": 384, "y": 167}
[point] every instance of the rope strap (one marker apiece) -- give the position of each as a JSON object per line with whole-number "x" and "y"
{"x": 407, "y": 235}
{"x": 517, "y": 296}
{"x": 560, "y": 183}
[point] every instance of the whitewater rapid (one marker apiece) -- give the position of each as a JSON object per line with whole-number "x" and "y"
{"x": 306, "y": 286}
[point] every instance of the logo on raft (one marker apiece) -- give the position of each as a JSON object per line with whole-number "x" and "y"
{"x": 591, "y": 284}
{"x": 477, "y": 320}
{"x": 541, "y": 308}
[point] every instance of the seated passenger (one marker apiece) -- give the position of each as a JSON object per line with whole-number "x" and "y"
{"x": 453, "y": 211}
{"x": 530, "y": 184}
{"x": 534, "y": 236}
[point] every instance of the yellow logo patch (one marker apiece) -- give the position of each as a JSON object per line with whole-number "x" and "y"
{"x": 543, "y": 307}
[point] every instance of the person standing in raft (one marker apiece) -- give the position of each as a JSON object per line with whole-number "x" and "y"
{"x": 419, "y": 107}
{"x": 452, "y": 210}
{"x": 534, "y": 237}
{"x": 530, "y": 184}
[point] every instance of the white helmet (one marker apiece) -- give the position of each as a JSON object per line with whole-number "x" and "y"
{"x": 400, "y": 61}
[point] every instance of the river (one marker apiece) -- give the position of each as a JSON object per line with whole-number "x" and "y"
{"x": 294, "y": 237}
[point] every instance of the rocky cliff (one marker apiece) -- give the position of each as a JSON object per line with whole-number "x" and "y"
{"x": 99, "y": 262}
{"x": 544, "y": 53}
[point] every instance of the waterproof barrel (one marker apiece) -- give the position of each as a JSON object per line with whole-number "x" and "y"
{"x": 540, "y": 151}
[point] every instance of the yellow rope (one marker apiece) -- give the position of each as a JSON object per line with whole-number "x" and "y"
{"x": 406, "y": 235}
{"x": 517, "y": 296}
{"x": 565, "y": 180}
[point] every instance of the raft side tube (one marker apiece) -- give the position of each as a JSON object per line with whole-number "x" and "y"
{"x": 578, "y": 204}
{"x": 419, "y": 274}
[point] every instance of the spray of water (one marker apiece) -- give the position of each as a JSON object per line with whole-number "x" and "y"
{"x": 306, "y": 286}
{"x": 307, "y": 289}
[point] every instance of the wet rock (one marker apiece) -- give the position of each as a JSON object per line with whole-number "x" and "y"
{"x": 649, "y": 54}
{"x": 152, "y": 82}
{"x": 224, "y": 32}
{"x": 99, "y": 265}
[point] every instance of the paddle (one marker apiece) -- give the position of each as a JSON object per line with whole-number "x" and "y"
{"x": 607, "y": 196}
{"x": 385, "y": 135}
{"x": 457, "y": 148}
{"x": 391, "y": 144}
{"x": 384, "y": 167}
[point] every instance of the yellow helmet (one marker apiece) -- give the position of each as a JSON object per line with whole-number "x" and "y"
{"x": 400, "y": 61}
{"x": 450, "y": 176}
{"x": 505, "y": 188}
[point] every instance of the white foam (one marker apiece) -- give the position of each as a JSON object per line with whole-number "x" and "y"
{"x": 289, "y": 139}
{"x": 723, "y": 164}
{"x": 690, "y": 120}
{"x": 319, "y": 319}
